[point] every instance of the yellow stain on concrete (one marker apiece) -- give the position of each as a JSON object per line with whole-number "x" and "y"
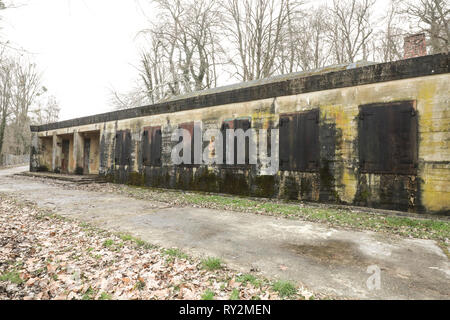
{"x": 432, "y": 145}
{"x": 343, "y": 117}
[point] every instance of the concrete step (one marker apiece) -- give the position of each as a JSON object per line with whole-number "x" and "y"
{"x": 80, "y": 179}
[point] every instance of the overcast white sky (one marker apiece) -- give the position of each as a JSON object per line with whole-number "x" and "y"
{"x": 83, "y": 47}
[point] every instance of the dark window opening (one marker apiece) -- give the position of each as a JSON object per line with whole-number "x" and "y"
{"x": 122, "y": 154}
{"x": 388, "y": 138}
{"x": 151, "y": 146}
{"x": 236, "y": 124}
{"x": 299, "y": 141}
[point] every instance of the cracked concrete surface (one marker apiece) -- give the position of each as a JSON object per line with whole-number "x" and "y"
{"x": 330, "y": 260}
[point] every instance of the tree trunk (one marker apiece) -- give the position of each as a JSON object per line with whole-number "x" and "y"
{"x": 2, "y": 132}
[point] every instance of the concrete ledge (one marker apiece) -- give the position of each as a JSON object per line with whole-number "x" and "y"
{"x": 80, "y": 179}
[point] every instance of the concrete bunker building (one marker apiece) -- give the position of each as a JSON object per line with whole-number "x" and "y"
{"x": 375, "y": 135}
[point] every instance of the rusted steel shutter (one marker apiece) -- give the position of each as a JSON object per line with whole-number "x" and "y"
{"x": 388, "y": 138}
{"x": 118, "y": 147}
{"x": 243, "y": 124}
{"x": 299, "y": 141}
{"x": 156, "y": 144}
{"x": 286, "y": 140}
{"x": 122, "y": 152}
{"x": 151, "y": 146}
{"x": 126, "y": 149}
{"x": 307, "y": 158}
{"x": 189, "y": 126}
{"x": 235, "y": 124}
{"x": 227, "y": 124}
{"x": 146, "y": 146}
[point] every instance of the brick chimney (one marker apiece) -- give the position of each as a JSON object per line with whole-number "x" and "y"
{"x": 414, "y": 46}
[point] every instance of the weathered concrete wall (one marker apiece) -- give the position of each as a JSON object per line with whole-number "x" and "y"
{"x": 46, "y": 150}
{"x": 41, "y": 153}
{"x": 94, "y": 151}
{"x": 12, "y": 159}
{"x": 339, "y": 178}
{"x": 71, "y": 158}
{"x": 77, "y": 152}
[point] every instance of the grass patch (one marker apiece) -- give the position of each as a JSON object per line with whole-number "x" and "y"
{"x": 105, "y": 296}
{"x": 140, "y": 285}
{"x": 234, "y": 294}
{"x": 175, "y": 252}
{"x": 126, "y": 237}
{"x": 108, "y": 243}
{"x": 212, "y": 263}
{"x": 284, "y": 288}
{"x": 12, "y": 276}
{"x": 88, "y": 294}
{"x": 341, "y": 217}
{"x": 139, "y": 242}
{"x": 246, "y": 278}
{"x": 143, "y": 244}
{"x": 405, "y": 226}
{"x": 208, "y": 295}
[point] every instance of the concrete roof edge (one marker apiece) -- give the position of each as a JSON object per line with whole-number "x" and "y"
{"x": 332, "y": 77}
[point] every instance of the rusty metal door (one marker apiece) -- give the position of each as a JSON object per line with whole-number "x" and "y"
{"x": 123, "y": 148}
{"x": 235, "y": 124}
{"x": 65, "y": 156}
{"x": 299, "y": 141}
{"x": 87, "y": 150}
{"x": 189, "y": 144}
{"x": 388, "y": 135}
{"x": 151, "y": 146}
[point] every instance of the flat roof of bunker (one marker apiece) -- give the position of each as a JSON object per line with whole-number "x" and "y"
{"x": 332, "y": 77}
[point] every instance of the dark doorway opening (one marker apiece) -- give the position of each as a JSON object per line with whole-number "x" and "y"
{"x": 65, "y": 156}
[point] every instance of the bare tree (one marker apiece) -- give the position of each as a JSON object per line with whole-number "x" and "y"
{"x": 19, "y": 87}
{"x": 287, "y": 58}
{"x": 257, "y": 30}
{"x": 192, "y": 43}
{"x": 47, "y": 109}
{"x": 135, "y": 97}
{"x": 157, "y": 69}
{"x": 5, "y": 89}
{"x": 431, "y": 17}
{"x": 183, "y": 48}
{"x": 308, "y": 46}
{"x": 318, "y": 28}
{"x": 388, "y": 42}
{"x": 25, "y": 88}
{"x": 350, "y": 29}
{"x": 6, "y": 73}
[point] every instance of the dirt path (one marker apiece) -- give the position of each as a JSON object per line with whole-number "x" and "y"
{"x": 328, "y": 260}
